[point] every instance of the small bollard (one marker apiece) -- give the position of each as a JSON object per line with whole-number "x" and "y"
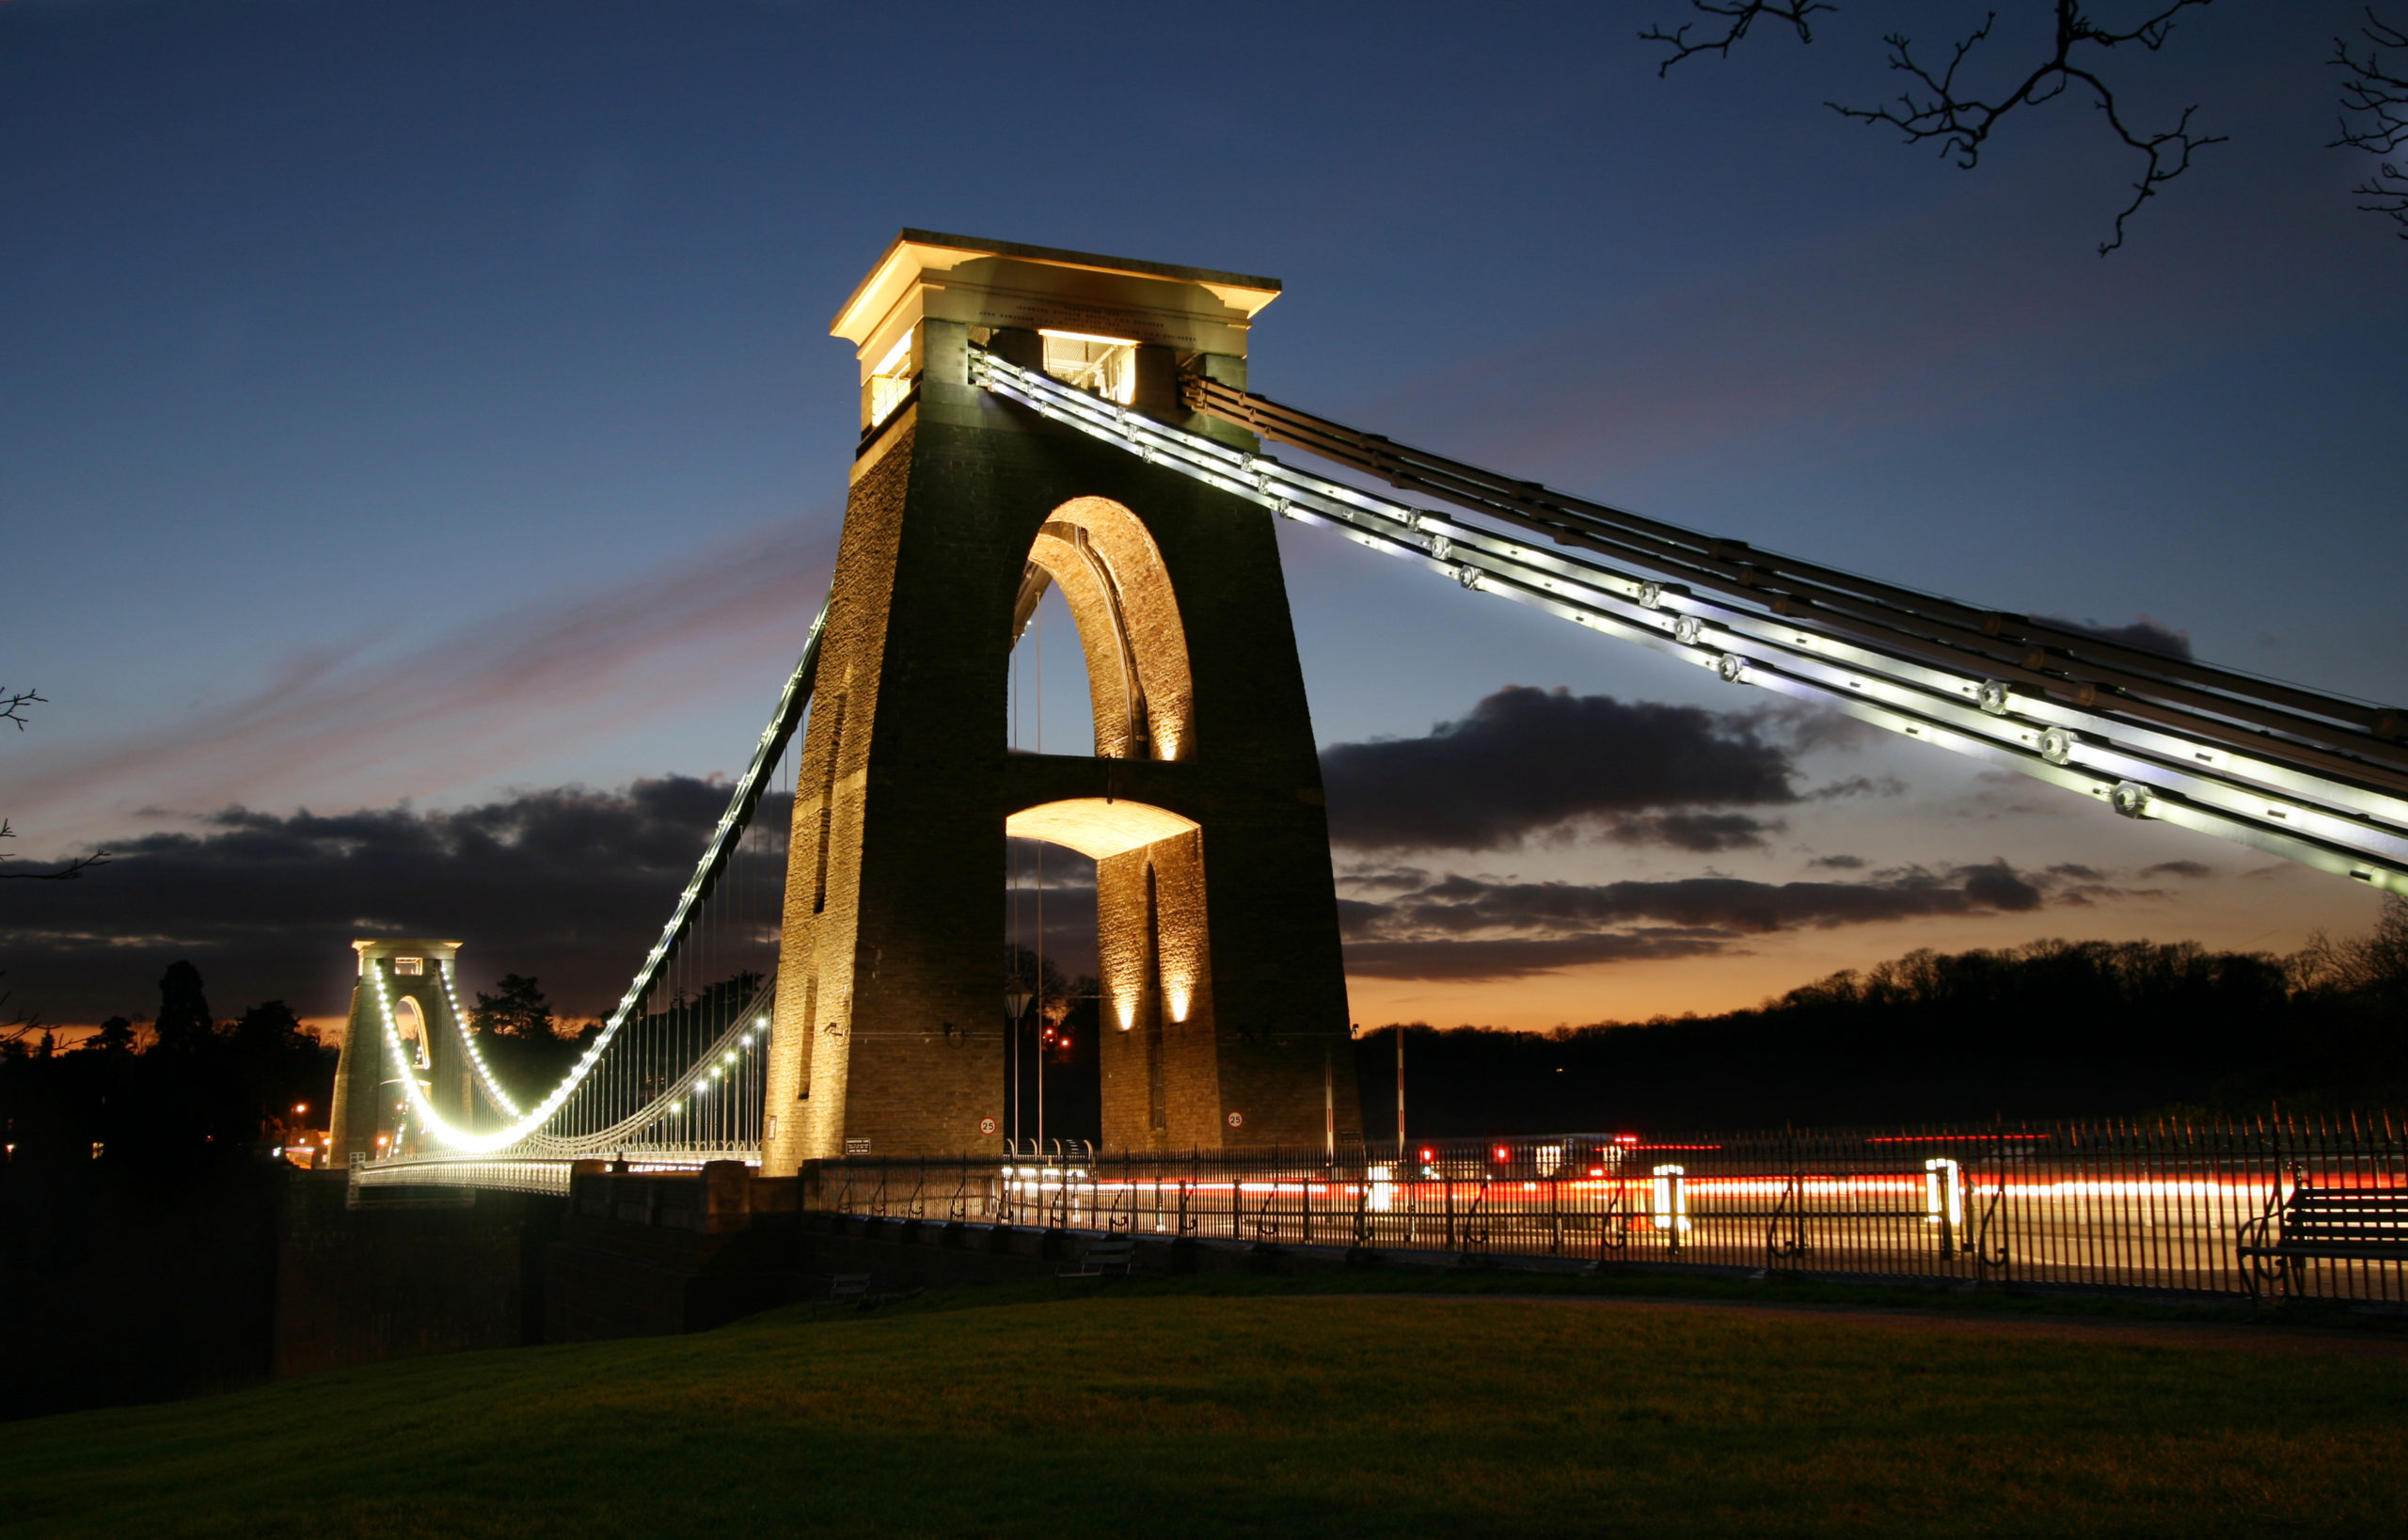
{"x": 1944, "y": 1200}
{"x": 1672, "y": 1203}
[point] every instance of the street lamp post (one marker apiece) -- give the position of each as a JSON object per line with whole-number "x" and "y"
{"x": 1015, "y": 1004}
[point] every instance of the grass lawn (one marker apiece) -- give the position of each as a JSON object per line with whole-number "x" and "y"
{"x": 1153, "y": 1411}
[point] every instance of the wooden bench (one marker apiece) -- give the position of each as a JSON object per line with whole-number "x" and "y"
{"x": 2337, "y": 1223}
{"x": 1117, "y": 1255}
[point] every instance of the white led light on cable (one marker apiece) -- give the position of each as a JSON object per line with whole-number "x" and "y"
{"x": 501, "y": 1099}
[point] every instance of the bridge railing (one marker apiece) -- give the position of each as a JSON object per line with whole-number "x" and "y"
{"x": 2161, "y": 1206}
{"x": 540, "y": 1174}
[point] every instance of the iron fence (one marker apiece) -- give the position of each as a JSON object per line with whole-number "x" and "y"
{"x": 2303, "y": 1209}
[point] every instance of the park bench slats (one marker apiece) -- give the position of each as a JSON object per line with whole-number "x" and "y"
{"x": 2341, "y": 1223}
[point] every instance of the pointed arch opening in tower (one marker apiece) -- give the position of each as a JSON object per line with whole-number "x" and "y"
{"x": 410, "y": 1023}
{"x": 1095, "y": 559}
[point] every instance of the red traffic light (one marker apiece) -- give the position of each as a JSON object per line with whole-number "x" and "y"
{"x": 1428, "y": 1154}
{"x": 1502, "y": 1154}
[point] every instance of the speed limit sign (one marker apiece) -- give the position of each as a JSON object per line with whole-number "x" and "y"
{"x": 987, "y": 1126}
{"x": 1237, "y": 1120}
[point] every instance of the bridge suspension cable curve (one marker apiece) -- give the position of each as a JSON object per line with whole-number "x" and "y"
{"x": 2315, "y": 778}
{"x": 668, "y": 1093}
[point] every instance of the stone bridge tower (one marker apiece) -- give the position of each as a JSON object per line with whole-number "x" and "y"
{"x": 416, "y": 977}
{"x": 1224, "y": 1000}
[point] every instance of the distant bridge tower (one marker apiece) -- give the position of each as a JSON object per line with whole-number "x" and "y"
{"x": 1224, "y": 1000}
{"x": 416, "y": 976}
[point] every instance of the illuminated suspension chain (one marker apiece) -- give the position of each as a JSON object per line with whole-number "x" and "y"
{"x": 501, "y": 1098}
{"x": 2140, "y": 770}
{"x": 732, "y": 1057}
{"x": 732, "y": 1054}
{"x": 731, "y": 827}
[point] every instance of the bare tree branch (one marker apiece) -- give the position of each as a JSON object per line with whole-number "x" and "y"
{"x": 1963, "y": 124}
{"x": 73, "y": 868}
{"x": 1738, "y": 18}
{"x": 12, "y": 709}
{"x": 2377, "y": 95}
{"x": 12, "y": 705}
{"x": 1938, "y": 108}
{"x": 15, "y": 1027}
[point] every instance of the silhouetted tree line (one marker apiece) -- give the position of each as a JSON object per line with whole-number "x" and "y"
{"x": 2053, "y": 1029}
{"x": 149, "y": 1270}
{"x": 199, "y": 1089}
{"x": 527, "y": 1051}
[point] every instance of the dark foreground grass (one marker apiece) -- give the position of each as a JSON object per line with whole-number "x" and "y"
{"x": 1162, "y": 1412}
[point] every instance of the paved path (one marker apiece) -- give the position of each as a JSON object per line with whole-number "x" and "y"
{"x": 2236, "y": 1338}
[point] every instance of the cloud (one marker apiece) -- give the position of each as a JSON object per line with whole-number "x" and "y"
{"x": 2074, "y": 884}
{"x": 2004, "y": 794}
{"x": 1859, "y": 785}
{"x": 572, "y": 885}
{"x": 1463, "y": 927}
{"x": 506, "y": 689}
{"x": 568, "y": 884}
{"x": 1704, "y": 832}
{"x": 1527, "y": 761}
{"x": 1517, "y": 957}
{"x": 1997, "y": 887}
{"x": 2145, "y": 634}
{"x": 1063, "y": 925}
{"x": 1374, "y": 877}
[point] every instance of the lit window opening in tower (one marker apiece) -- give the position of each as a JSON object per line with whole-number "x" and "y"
{"x": 892, "y": 382}
{"x": 1105, "y": 365}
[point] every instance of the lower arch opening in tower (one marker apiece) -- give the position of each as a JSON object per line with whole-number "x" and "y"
{"x": 1156, "y": 1057}
{"x": 1051, "y": 998}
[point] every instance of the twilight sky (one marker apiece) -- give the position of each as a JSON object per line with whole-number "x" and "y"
{"x": 421, "y": 452}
